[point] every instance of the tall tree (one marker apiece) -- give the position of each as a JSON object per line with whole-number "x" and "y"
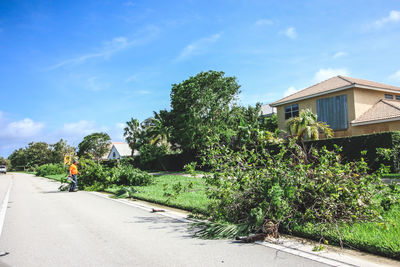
{"x": 307, "y": 126}
{"x": 60, "y": 149}
{"x": 131, "y": 133}
{"x": 94, "y": 145}
{"x": 38, "y": 153}
{"x": 201, "y": 109}
{"x": 158, "y": 130}
{"x": 17, "y": 159}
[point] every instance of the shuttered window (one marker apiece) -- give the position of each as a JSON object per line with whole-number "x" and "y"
{"x": 333, "y": 111}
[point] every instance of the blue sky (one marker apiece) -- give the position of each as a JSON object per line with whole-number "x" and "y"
{"x": 71, "y": 68}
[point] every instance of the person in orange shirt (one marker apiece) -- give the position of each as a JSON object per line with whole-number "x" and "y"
{"x": 73, "y": 172}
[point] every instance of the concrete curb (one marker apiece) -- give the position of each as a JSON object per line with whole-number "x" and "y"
{"x": 291, "y": 247}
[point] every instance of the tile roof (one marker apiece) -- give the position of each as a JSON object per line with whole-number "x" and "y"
{"x": 333, "y": 84}
{"x": 382, "y": 110}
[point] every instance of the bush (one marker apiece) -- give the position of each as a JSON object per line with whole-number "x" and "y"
{"x": 131, "y": 176}
{"x": 91, "y": 173}
{"x": 293, "y": 186}
{"x": 354, "y": 145}
{"x": 50, "y": 169}
{"x": 95, "y": 176}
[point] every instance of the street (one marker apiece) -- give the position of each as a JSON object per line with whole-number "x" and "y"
{"x": 45, "y": 227}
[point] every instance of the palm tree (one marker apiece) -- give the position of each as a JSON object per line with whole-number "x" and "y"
{"x": 306, "y": 126}
{"x": 158, "y": 131}
{"x": 131, "y": 133}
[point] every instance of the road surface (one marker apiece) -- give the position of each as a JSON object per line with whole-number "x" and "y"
{"x": 45, "y": 227}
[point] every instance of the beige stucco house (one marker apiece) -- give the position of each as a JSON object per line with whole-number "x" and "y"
{"x": 349, "y": 106}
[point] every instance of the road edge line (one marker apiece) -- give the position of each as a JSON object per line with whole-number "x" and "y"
{"x": 4, "y": 206}
{"x": 303, "y": 254}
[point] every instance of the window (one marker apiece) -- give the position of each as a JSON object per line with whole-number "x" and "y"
{"x": 114, "y": 155}
{"x": 291, "y": 111}
{"x": 397, "y": 97}
{"x": 333, "y": 111}
{"x": 388, "y": 96}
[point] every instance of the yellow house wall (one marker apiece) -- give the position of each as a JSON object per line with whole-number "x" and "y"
{"x": 364, "y": 99}
{"x": 377, "y": 127}
{"x": 312, "y": 104}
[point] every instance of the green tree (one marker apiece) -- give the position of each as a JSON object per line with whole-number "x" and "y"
{"x": 4, "y": 161}
{"x": 37, "y": 153}
{"x": 157, "y": 130}
{"x": 17, "y": 159}
{"x": 307, "y": 126}
{"x": 94, "y": 145}
{"x": 269, "y": 123}
{"x": 132, "y": 133}
{"x": 201, "y": 109}
{"x": 59, "y": 150}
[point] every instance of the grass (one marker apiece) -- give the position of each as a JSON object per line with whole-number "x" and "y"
{"x": 380, "y": 238}
{"x": 194, "y": 199}
{"x": 56, "y": 177}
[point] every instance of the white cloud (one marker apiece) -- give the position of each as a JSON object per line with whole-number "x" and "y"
{"x": 395, "y": 76}
{"x": 339, "y": 54}
{"x": 324, "y": 74}
{"x": 197, "y": 47}
{"x": 263, "y": 22}
{"x": 291, "y": 90}
{"x": 291, "y": 33}
{"x": 109, "y": 48}
{"x": 81, "y": 128}
{"x": 22, "y": 129}
{"x": 394, "y": 16}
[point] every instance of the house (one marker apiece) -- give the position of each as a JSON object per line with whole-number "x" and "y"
{"x": 119, "y": 150}
{"x": 267, "y": 111}
{"x": 349, "y": 106}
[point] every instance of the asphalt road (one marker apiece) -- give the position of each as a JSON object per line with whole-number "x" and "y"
{"x": 44, "y": 227}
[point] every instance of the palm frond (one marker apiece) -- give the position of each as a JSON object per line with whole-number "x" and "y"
{"x": 215, "y": 230}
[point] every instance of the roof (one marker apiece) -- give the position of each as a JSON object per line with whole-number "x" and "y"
{"x": 123, "y": 149}
{"x": 120, "y": 147}
{"x": 267, "y": 110}
{"x": 383, "y": 110}
{"x": 334, "y": 84}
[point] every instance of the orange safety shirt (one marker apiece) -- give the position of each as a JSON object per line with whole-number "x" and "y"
{"x": 73, "y": 169}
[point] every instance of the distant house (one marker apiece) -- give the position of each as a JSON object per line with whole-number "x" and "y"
{"x": 267, "y": 110}
{"x": 349, "y": 106}
{"x": 119, "y": 150}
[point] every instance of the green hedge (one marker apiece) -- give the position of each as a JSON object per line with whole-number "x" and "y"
{"x": 50, "y": 169}
{"x": 172, "y": 162}
{"x": 352, "y": 147}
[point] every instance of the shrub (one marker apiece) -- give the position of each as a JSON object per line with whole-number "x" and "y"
{"x": 95, "y": 176}
{"x": 131, "y": 176}
{"x": 354, "y": 145}
{"x": 50, "y": 169}
{"x": 91, "y": 173}
{"x": 292, "y": 186}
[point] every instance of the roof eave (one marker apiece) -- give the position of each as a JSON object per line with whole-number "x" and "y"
{"x": 337, "y": 90}
{"x": 374, "y": 121}
{"x": 313, "y": 95}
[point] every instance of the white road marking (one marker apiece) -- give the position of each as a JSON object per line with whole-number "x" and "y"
{"x": 177, "y": 216}
{"x": 4, "y": 206}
